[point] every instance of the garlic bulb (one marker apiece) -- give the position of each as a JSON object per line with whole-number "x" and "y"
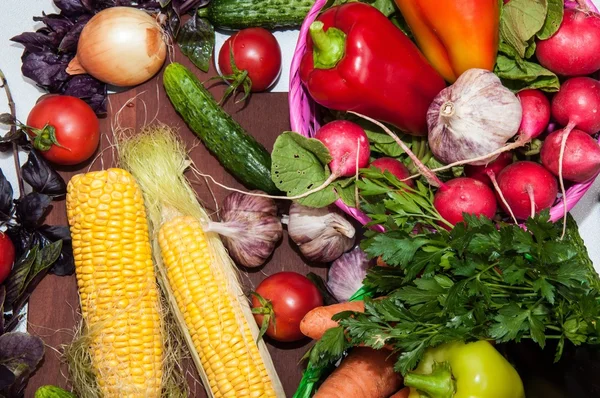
{"x": 473, "y": 117}
{"x": 322, "y": 234}
{"x": 347, "y": 273}
{"x": 249, "y": 228}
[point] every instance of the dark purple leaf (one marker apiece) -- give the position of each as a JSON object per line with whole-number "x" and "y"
{"x": 59, "y": 24}
{"x": 181, "y": 7}
{"x": 2, "y": 298}
{"x": 36, "y": 41}
{"x": 17, "y": 136}
{"x": 71, "y": 7}
{"x": 65, "y": 264}
{"x": 7, "y": 378}
{"x": 92, "y": 91}
{"x": 31, "y": 209}
{"x": 46, "y": 69}
{"x": 196, "y": 39}
{"x": 21, "y": 354}
{"x": 42, "y": 178}
{"x": 6, "y": 197}
{"x": 20, "y": 238}
{"x": 69, "y": 41}
{"x": 17, "y": 277}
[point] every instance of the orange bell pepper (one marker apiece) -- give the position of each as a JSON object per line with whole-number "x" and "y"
{"x": 454, "y": 35}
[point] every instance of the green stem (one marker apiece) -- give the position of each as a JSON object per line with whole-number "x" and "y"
{"x": 13, "y": 129}
{"x": 437, "y": 384}
{"x": 494, "y": 285}
{"x": 328, "y": 47}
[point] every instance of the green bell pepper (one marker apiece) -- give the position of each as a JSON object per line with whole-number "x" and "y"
{"x": 459, "y": 370}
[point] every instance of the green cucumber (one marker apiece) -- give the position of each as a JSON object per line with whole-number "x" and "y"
{"x": 240, "y": 154}
{"x": 52, "y": 392}
{"x": 268, "y": 14}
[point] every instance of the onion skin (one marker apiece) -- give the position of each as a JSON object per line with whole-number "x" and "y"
{"x": 474, "y": 117}
{"x": 121, "y": 46}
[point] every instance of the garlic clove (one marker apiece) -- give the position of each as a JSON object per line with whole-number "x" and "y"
{"x": 322, "y": 234}
{"x": 347, "y": 273}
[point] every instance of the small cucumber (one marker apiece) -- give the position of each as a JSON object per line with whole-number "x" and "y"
{"x": 240, "y": 154}
{"x": 268, "y": 14}
{"x": 52, "y": 392}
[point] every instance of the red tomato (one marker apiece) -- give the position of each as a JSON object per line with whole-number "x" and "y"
{"x": 7, "y": 256}
{"x": 76, "y": 128}
{"x": 255, "y": 50}
{"x": 291, "y": 296}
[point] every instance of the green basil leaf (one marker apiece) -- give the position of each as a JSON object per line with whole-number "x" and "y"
{"x": 518, "y": 74}
{"x": 556, "y": 10}
{"x": 521, "y": 20}
{"x": 196, "y": 39}
{"x": 299, "y": 165}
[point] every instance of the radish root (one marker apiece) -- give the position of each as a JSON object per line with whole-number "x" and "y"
{"x": 531, "y": 200}
{"x": 431, "y": 178}
{"x": 566, "y": 132}
{"x": 492, "y": 176}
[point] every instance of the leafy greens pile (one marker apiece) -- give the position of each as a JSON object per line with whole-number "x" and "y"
{"x": 479, "y": 280}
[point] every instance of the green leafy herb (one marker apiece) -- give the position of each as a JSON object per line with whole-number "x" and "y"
{"x": 518, "y": 74}
{"x": 554, "y": 17}
{"x": 300, "y": 164}
{"x": 521, "y": 20}
{"x": 480, "y": 280}
{"x": 196, "y": 39}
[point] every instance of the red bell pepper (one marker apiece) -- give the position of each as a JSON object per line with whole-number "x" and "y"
{"x": 358, "y": 60}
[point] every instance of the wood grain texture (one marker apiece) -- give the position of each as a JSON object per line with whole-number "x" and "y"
{"x": 54, "y": 306}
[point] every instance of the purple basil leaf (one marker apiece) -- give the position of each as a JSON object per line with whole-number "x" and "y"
{"x": 46, "y": 69}
{"x": 2, "y": 299}
{"x": 71, "y": 7}
{"x": 69, "y": 42}
{"x": 36, "y": 41}
{"x": 6, "y": 197}
{"x": 59, "y": 24}
{"x": 15, "y": 282}
{"x": 196, "y": 39}
{"x": 21, "y": 354}
{"x": 7, "y": 378}
{"x": 42, "y": 178}
{"x": 181, "y": 7}
{"x": 92, "y": 91}
{"x": 64, "y": 265}
{"x": 20, "y": 238}
{"x": 32, "y": 208}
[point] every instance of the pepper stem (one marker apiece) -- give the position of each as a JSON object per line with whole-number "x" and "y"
{"x": 328, "y": 47}
{"x": 437, "y": 384}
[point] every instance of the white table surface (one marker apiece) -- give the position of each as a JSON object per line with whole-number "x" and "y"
{"x": 16, "y": 17}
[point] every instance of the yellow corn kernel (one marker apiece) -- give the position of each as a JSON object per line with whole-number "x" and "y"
{"x": 117, "y": 286}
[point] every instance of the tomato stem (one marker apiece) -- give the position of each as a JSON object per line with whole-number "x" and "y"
{"x": 13, "y": 132}
{"x": 266, "y": 310}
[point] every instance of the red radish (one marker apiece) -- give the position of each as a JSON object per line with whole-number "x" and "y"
{"x": 528, "y": 188}
{"x": 464, "y": 195}
{"x": 578, "y": 103}
{"x": 346, "y": 141}
{"x": 480, "y": 173}
{"x": 394, "y": 166}
{"x": 536, "y": 113}
{"x": 581, "y": 158}
{"x": 574, "y": 50}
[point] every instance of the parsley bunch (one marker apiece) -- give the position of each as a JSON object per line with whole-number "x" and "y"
{"x": 480, "y": 280}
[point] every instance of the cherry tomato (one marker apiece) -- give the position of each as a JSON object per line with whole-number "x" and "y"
{"x": 76, "y": 129}
{"x": 7, "y": 256}
{"x": 255, "y": 50}
{"x": 289, "y": 296}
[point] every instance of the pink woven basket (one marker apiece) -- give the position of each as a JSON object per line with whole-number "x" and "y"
{"x": 303, "y": 116}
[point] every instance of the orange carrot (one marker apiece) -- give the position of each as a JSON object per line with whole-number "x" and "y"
{"x": 364, "y": 373}
{"x": 404, "y": 393}
{"x": 317, "y": 321}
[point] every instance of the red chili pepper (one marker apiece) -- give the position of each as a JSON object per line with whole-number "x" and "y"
{"x": 358, "y": 60}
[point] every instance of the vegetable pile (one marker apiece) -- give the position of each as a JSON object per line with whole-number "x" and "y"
{"x": 456, "y": 133}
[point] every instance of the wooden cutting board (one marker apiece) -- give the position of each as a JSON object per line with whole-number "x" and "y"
{"x": 54, "y": 306}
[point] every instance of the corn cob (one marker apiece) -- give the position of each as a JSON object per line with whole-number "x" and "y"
{"x": 227, "y": 350}
{"x": 198, "y": 276}
{"x": 117, "y": 286}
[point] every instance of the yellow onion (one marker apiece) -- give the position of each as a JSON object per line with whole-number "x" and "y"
{"x": 121, "y": 46}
